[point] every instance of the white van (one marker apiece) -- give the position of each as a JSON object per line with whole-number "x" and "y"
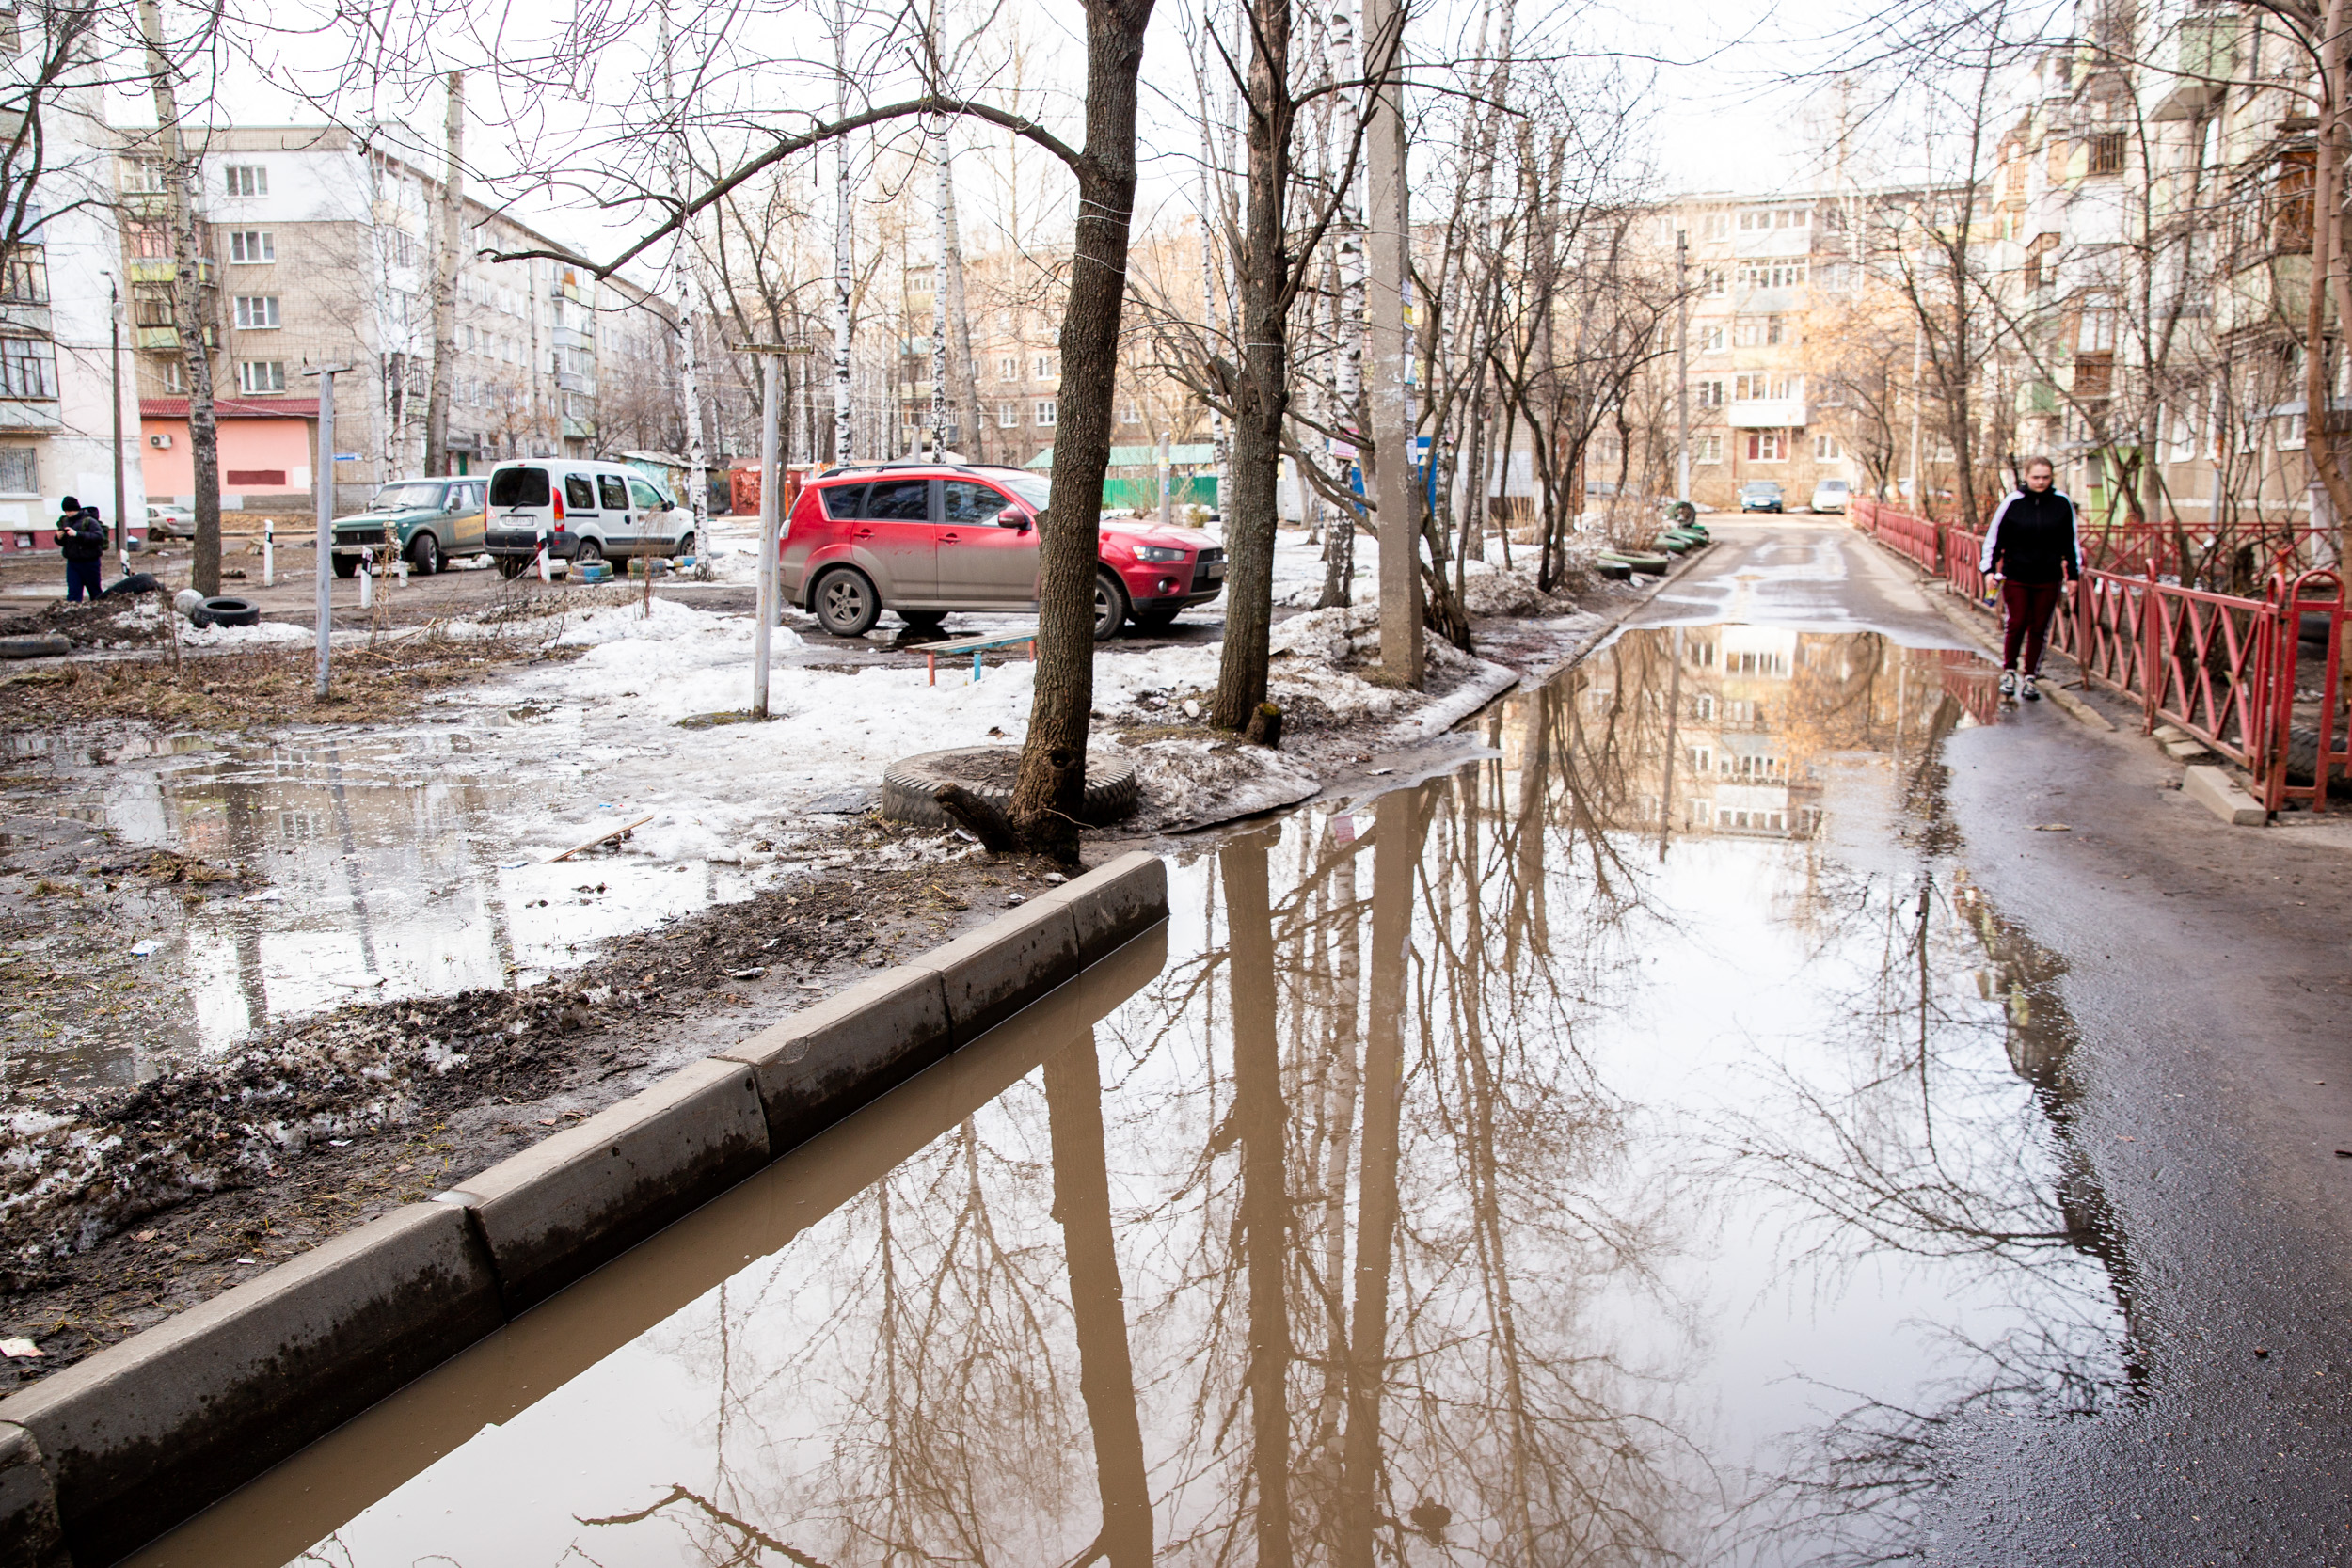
{"x": 584, "y": 510}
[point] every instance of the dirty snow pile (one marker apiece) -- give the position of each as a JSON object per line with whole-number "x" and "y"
{"x": 262, "y": 634}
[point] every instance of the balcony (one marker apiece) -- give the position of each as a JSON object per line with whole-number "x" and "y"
{"x": 2271, "y": 291}
{"x": 1766, "y": 413}
{"x": 149, "y": 269}
{"x": 2203, "y": 50}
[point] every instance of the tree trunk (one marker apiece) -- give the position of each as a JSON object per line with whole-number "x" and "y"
{"x": 1262, "y": 397}
{"x": 452, "y": 213}
{"x": 1052, "y": 783}
{"x": 1391, "y": 405}
{"x": 1261, "y": 1118}
{"x": 2319, "y": 442}
{"x": 1098, "y": 1300}
{"x": 188, "y": 314}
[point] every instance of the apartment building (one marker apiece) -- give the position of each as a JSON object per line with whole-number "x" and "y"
{"x": 318, "y": 251}
{"x": 1761, "y": 269}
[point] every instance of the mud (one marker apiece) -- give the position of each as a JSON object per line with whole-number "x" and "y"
{"x": 120, "y": 1207}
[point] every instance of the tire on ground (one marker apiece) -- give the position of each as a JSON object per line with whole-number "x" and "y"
{"x": 2303, "y": 758}
{"x": 33, "y": 647}
{"x": 227, "y": 611}
{"x": 1113, "y": 790}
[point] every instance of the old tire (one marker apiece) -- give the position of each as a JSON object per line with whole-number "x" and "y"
{"x": 425, "y": 555}
{"x": 34, "y": 647}
{"x": 2303, "y": 758}
{"x": 845, "y": 603}
{"x": 226, "y": 611}
{"x": 1113, "y": 791}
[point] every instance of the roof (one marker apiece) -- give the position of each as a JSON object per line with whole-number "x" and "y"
{"x": 233, "y": 408}
{"x": 1184, "y": 454}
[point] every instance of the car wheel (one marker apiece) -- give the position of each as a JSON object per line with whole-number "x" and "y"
{"x": 845, "y": 603}
{"x": 510, "y": 566}
{"x": 586, "y": 551}
{"x": 1110, "y": 605}
{"x": 685, "y": 545}
{"x": 346, "y": 565}
{"x": 425, "y": 555}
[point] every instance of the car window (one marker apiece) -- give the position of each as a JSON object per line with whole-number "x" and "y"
{"x": 843, "y": 500}
{"x": 613, "y": 491}
{"x": 519, "y": 487}
{"x": 465, "y": 497}
{"x": 646, "y": 497}
{"x": 407, "y": 497}
{"x": 579, "y": 494}
{"x": 904, "y": 501}
{"x": 968, "y": 502}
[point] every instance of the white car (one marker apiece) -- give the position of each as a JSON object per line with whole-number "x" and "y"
{"x": 170, "y": 522}
{"x": 1831, "y": 495}
{"x": 585, "y": 511}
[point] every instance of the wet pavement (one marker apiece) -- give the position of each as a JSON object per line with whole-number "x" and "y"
{"x": 1717, "y": 1121}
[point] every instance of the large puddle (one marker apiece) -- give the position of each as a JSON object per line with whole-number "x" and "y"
{"x": 1643, "y": 1144}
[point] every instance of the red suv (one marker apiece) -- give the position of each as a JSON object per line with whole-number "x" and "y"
{"x": 926, "y": 538}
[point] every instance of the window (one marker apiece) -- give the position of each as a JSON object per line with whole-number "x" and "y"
{"x": 1718, "y": 226}
{"x": 1767, "y": 445}
{"x": 1771, "y": 275}
{"x": 1132, "y": 414}
{"x": 1706, "y": 449}
{"x": 613, "y": 491}
{"x": 403, "y": 249}
{"x": 2106, "y": 152}
{"x": 1009, "y": 367}
{"x": 843, "y": 500}
{"x": 2095, "y": 331}
{"x": 1825, "y": 449}
{"x": 579, "y": 494}
{"x": 1783, "y": 217}
{"x": 968, "y": 502}
{"x": 257, "y": 311}
{"x": 1707, "y": 394}
{"x": 146, "y": 242}
{"x": 2041, "y": 265}
{"x": 519, "y": 487}
{"x": 143, "y": 177}
{"x": 24, "y": 276}
{"x": 1711, "y": 282}
{"x": 1836, "y": 277}
{"x": 1046, "y": 413}
{"x": 19, "y": 472}
{"x": 1773, "y": 330}
{"x": 1758, "y": 385}
{"x": 905, "y": 500}
{"x": 28, "y": 368}
{"x": 261, "y": 375}
{"x": 645, "y": 498}
{"x": 252, "y": 244}
{"x": 1712, "y": 338}
{"x": 246, "y": 180}
{"x": 175, "y": 377}
{"x": 1007, "y": 416}
{"x": 1045, "y": 367}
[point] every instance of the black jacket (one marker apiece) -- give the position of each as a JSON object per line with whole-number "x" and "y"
{"x": 2032, "y": 539}
{"x": 81, "y": 536}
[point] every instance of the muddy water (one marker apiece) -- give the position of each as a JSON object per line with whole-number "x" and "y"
{"x": 1640, "y": 1143}
{"x": 390, "y": 865}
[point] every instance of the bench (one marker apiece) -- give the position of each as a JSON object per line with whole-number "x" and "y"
{"x": 974, "y": 646}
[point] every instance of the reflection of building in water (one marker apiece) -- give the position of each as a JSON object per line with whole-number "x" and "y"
{"x": 1729, "y": 729}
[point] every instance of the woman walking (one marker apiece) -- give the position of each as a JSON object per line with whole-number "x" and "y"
{"x": 2031, "y": 551}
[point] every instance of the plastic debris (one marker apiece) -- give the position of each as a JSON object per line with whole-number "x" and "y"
{"x": 20, "y": 1348}
{"x": 141, "y": 949}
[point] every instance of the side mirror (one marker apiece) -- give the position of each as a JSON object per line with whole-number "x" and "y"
{"x": 1021, "y": 522}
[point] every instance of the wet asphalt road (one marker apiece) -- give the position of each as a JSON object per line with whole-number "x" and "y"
{"x": 2208, "y": 973}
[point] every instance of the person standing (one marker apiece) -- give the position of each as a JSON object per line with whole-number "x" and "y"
{"x": 82, "y": 540}
{"x": 2031, "y": 550}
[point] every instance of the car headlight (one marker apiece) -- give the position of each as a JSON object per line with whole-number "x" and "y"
{"x": 1159, "y": 552}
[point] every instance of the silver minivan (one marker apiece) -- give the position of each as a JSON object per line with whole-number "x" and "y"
{"x": 583, "y": 508}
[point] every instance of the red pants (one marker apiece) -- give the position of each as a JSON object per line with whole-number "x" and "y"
{"x": 2026, "y": 610}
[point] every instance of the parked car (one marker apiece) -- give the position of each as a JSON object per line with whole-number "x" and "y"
{"x": 586, "y": 509}
{"x": 170, "y": 522}
{"x": 1760, "y": 494}
{"x": 1831, "y": 495}
{"x": 924, "y": 538}
{"x": 428, "y": 520}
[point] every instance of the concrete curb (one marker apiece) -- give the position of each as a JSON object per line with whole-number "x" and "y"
{"x": 2212, "y": 789}
{"x": 105, "y": 1455}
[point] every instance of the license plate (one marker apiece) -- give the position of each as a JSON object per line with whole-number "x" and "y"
{"x": 1214, "y": 569}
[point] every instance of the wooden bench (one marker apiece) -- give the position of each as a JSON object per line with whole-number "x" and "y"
{"x": 974, "y": 646}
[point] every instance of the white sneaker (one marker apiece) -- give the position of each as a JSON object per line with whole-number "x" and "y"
{"x": 2008, "y": 683}
{"x": 2031, "y": 693}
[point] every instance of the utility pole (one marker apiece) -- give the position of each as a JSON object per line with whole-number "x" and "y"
{"x": 445, "y": 263}
{"x": 841, "y": 448}
{"x": 323, "y": 467}
{"x": 187, "y": 308}
{"x": 114, "y": 361}
{"x": 1918, "y": 364}
{"x": 1391, "y": 233}
{"x": 770, "y": 507}
{"x": 1682, "y": 364}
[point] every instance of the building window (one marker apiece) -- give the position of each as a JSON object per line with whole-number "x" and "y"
{"x": 28, "y": 368}
{"x": 146, "y": 242}
{"x": 1767, "y": 445}
{"x": 1706, "y": 449}
{"x": 1782, "y": 218}
{"x": 1712, "y": 338}
{"x": 175, "y": 371}
{"x": 2041, "y": 265}
{"x": 1774, "y": 330}
{"x": 1007, "y": 416}
{"x": 1836, "y": 277}
{"x": 1825, "y": 449}
{"x": 247, "y": 179}
{"x": 1748, "y": 332}
{"x": 257, "y": 311}
{"x": 1771, "y": 275}
{"x": 1718, "y": 226}
{"x": 19, "y": 472}
{"x": 261, "y": 375}
{"x": 2106, "y": 152}
{"x": 151, "y": 305}
{"x": 1045, "y": 367}
{"x": 1009, "y": 367}
{"x": 1711, "y": 282}
{"x": 1046, "y": 413}
{"x": 2095, "y": 332}
{"x": 252, "y": 244}
{"x": 143, "y": 177}
{"x": 1759, "y": 385}
{"x": 1132, "y": 414}
{"x": 1707, "y": 394}
{"x": 24, "y": 276}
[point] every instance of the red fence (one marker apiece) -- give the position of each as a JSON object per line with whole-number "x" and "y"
{"x": 2225, "y": 669}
